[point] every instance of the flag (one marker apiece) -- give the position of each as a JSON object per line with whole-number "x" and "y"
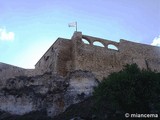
{"x": 73, "y": 24}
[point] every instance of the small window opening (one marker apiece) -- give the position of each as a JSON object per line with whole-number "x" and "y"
{"x": 46, "y": 58}
{"x": 112, "y": 47}
{"x": 98, "y": 44}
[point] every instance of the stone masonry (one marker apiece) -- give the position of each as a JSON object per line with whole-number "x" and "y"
{"x": 67, "y": 55}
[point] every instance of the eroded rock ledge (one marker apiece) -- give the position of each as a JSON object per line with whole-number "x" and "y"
{"x": 51, "y": 93}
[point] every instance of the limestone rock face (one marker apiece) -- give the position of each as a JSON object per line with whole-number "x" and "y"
{"x": 49, "y": 92}
{"x": 81, "y": 85}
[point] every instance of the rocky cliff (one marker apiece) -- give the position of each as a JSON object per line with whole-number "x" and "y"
{"x": 47, "y": 92}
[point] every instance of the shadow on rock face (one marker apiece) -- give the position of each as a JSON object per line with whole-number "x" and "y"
{"x": 52, "y": 93}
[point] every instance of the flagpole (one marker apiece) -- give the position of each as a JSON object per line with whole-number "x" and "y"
{"x": 76, "y": 26}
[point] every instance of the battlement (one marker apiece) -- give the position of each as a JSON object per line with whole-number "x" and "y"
{"x": 100, "y": 56}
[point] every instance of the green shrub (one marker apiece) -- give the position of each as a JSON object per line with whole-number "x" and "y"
{"x": 131, "y": 90}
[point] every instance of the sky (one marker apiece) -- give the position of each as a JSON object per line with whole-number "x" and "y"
{"x": 29, "y": 27}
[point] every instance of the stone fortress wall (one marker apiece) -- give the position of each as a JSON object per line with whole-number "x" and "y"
{"x": 57, "y": 58}
{"x": 67, "y": 55}
{"x": 103, "y": 60}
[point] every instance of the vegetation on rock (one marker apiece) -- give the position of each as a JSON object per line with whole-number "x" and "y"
{"x": 131, "y": 90}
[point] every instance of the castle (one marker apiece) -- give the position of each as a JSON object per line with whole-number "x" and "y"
{"x": 67, "y": 55}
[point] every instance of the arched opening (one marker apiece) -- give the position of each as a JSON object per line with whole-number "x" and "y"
{"x": 85, "y": 41}
{"x": 112, "y": 47}
{"x": 96, "y": 43}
